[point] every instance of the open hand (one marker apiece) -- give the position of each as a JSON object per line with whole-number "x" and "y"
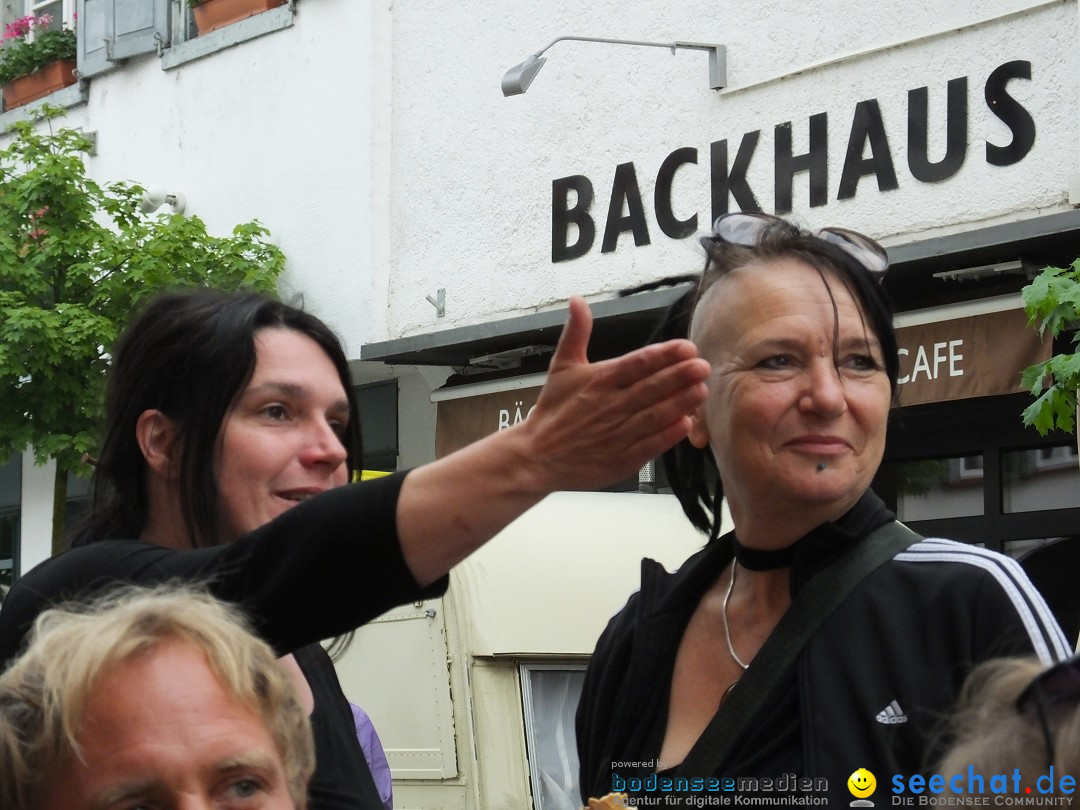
{"x": 598, "y": 423}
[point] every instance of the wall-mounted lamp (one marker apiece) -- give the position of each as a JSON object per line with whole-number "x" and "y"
{"x": 155, "y": 197}
{"x": 1017, "y": 266}
{"x": 511, "y": 358}
{"x": 520, "y": 76}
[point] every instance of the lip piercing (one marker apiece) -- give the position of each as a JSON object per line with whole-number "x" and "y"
{"x": 821, "y": 466}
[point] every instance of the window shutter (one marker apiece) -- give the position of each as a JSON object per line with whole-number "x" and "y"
{"x": 93, "y": 30}
{"x": 140, "y": 25}
{"x": 111, "y": 30}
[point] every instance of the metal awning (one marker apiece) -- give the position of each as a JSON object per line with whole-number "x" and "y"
{"x": 619, "y": 325}
{"x": 622, "y": 324}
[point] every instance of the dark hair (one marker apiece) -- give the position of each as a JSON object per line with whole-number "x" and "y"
{"x": 692, "y": 471}
{"x": 189, "y": 354}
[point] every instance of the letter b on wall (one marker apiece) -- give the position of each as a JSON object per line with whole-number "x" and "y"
{"x": 563, "y": 215}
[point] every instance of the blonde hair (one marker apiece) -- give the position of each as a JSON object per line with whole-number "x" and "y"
{"x": 43, "y": 694}
{"x": 993, "y": 736}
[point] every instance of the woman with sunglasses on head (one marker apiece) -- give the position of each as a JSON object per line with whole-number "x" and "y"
{"x": 820, "y": 636}
{"x": 231, "y": 430}
{"x": 1016, "y": 714}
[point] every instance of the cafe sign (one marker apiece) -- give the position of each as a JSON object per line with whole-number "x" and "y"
{"x": 977, "y": 355}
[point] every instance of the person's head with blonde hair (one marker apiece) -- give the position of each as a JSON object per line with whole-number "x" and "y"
{"x": 1016, "y": 713}
{"x": 132, "y": 694}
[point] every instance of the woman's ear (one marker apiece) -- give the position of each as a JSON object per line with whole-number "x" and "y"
{"x": 156, "y": 435}
{"x": 699, "y": 429}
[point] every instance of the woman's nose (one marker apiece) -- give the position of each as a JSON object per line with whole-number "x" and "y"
{"x": 824, "y": 394}
{"x": 323, "y": 445}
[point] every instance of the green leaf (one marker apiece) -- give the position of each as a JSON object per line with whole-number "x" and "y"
{"x": 1033, "y": 378}
{"x": 1040, "y": 414}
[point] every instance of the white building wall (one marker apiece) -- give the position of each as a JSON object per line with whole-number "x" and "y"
{"x": 416, "y": 416}
{"x": 281, "y": 129}
{"x": 472, "y": 170}
{"x": 35, "y": 531}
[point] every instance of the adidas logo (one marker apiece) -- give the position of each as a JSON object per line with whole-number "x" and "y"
{"x": 892, "y": 715}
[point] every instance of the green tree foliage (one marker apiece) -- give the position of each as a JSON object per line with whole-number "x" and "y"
{"x": 1052, "y": 302}
{"x": 76, "y": 258}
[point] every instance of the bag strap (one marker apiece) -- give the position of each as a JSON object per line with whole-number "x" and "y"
{"x": 814, "y": 603}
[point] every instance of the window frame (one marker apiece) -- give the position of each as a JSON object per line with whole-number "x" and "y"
{"x": 187, "y": 46}
{"x": 988, "y": 425}
{"x": 1062, "y": 456}
{"x": 33, "y": 8}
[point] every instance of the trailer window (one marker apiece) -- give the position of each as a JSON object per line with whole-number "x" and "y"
{"x": 550, "y": 694}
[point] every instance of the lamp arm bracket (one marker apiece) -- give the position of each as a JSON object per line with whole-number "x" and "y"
{"x": 717, "y": 53}
{"x": 605, "y": 39}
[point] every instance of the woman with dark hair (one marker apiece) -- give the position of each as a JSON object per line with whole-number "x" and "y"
{"x": 820, "y": 636}
{"x": 165, "y": 363}
{"x": 231, "y": 430}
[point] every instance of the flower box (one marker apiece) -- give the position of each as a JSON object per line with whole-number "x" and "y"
{"x": 213, "y": 14}
{"x": 54, "y": 76}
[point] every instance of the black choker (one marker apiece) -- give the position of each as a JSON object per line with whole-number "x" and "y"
{"x": 754, "y": 559}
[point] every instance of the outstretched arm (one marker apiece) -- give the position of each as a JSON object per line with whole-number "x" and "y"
{"x": 594, "y": 424}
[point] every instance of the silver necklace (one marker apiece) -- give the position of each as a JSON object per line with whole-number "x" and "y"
{"x": 727, "y": 629}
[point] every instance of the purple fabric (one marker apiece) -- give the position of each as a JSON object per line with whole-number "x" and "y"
{"x": 374, "y": 754}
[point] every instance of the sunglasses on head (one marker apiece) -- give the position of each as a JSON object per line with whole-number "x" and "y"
{"x": 745, "y": 228}
{"x": 1058, "y": 684}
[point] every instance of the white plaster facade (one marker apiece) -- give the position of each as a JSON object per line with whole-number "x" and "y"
{"x": 472, "y": 170}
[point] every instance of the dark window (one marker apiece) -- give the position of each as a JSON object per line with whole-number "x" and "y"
{"x": 10, "y": 508}
{"x": 379, "y": 424}
{"x": 969, "y": 470}
{"x": 79, "y": 492}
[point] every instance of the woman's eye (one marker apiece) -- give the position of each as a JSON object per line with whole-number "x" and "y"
{"x": 864, "y": 362}
{"x": 777, "y": 361}
{"x": 276, "y": 412}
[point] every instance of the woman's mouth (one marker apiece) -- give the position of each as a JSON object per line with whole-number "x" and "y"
{"x": 298, "y": 495}
{"x": 820, "y": 445}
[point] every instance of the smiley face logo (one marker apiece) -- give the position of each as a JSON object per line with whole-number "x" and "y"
{"x": 861, "y": 783}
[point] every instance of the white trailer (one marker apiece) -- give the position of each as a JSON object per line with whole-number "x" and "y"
{"x": 474, "y": 694}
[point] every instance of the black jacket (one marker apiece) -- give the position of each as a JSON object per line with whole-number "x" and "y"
{"x": 869, "y": 689}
